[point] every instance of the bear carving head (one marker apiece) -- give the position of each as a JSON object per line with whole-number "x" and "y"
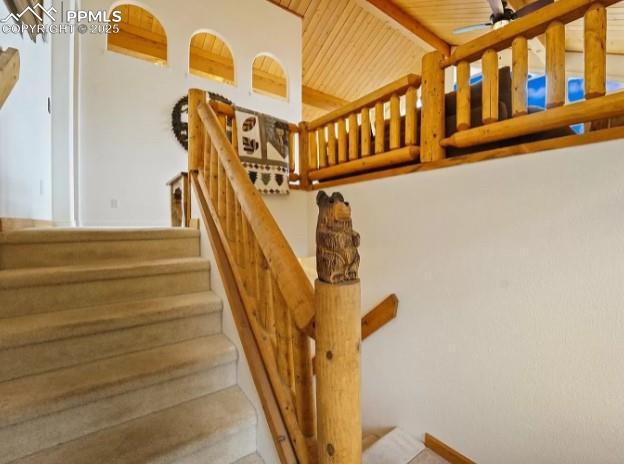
{"x": 333, "y": 209}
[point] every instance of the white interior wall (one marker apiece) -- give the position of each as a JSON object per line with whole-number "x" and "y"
{"x": 510, "y": 332}
{"x": 127, "y": 149}
{"x": 25, "y": 133}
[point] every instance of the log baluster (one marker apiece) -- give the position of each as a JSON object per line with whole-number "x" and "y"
{"x": 331, "y": 144}
{"x": 520, "y": 76}
{"x": 342, "y": 140}
{"x": 490, "y": 95}
{"x": 365, "y": 142}
{"x": 395, "y": 122}
{"x": 354, "y": 149}
{"x": 463, "y": 96}
{"x": 555, "y": 65}
{"x": 322, "y": 147}
{"x": 411, "y": 129}
{"x": 380, "y": 128}
{"x": 313, "y": 161}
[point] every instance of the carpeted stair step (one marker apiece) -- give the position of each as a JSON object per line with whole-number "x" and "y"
{"x": 33, "y": 396}
{"x": 41, "y": 411}
{"x": 218, "y": 429}
{"x": 29, "y": 291}
{"x": 47, "y": 341}
{"x": 55, "y": 247}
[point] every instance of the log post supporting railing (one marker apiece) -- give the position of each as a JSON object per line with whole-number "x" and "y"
{"x": 433, "y": 114}
{"x": 338, "y": 328}
{"x": 338, "y": 333}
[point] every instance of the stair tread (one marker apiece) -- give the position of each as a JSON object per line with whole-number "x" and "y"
{"x": 84, "y": 234}
{"x": 251, "y": 459}
{"x": 159, "y": 437}
{"x": 33, "y": 277}
{"x": 29, "y": 397}
{"x": 41, "y": 327}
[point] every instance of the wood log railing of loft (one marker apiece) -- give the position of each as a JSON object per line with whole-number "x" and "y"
{"x": 384, "y": 133}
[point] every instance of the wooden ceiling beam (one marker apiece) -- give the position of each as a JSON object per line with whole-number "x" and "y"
{"x": 278, "y": 4}
{"x": 411, "y": 24}
{"x": 321, "y": 100}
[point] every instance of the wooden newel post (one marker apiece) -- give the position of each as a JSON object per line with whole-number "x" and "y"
{"x": 338, "y": 334}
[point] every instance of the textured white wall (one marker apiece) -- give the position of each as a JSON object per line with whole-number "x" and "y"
{"x": 127, "y": 151}
{"x": 25, "y": 171}
{"x": 509, "y": 338}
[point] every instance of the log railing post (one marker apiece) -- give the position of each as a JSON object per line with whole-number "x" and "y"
{"x": 555, "y": 65}
{"x": 463, "y": 96}
{"x": 489, "y": 97}
{"x": 433, "y": 111}
{"x": 196, "y": 135}
{"x": 595, "y": 58}
{"x": 338, "y": 334}
{"x": 304, "y": 156}
{"x": 520, "y": 70}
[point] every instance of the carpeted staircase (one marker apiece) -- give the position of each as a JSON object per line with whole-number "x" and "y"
{"x": 111, "y": 352}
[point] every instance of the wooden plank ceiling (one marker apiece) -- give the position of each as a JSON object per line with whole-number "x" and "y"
{"x": 443, "y": 16}
{"x": 349, "y": 51}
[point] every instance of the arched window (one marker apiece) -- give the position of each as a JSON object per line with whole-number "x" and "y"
{"x": 268, "y": 77}
{"x": 210, "y": 57}
{"x": 140, "y": 35}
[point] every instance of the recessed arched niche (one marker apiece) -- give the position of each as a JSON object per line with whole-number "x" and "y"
{"x": 140, "y": 35}
{"x": 211, "y": 58}
{"x": 269, "y": 77}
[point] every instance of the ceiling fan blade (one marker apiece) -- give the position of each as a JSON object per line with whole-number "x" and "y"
{"x": 474, "y": 27}
{"x": 498, "y": 9}
{"x": 531, "y": 7}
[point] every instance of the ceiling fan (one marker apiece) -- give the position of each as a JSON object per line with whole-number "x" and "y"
{"x": 502, "y": 15}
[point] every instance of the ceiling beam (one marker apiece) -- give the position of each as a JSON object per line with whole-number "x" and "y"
{"x": 276, "y": 3}
{"x": 321, "y": 100}
{"x": 411, "y": 24}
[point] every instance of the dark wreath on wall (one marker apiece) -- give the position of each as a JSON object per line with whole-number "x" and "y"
{"x": 179, "y": 117}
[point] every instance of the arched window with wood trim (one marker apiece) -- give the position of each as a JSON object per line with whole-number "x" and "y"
{"x": 268, "y": 77}
{"x": 140, "y": 35}
{"x": 211, "y": 58}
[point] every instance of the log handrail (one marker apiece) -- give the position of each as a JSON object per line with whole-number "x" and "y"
{"x": 292, "y": 281}
{"x": 574, "y": 113}
{"x": 383, "y": 93}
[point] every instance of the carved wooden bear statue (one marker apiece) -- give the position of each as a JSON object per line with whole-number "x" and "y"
{"x": 337, "y": 257}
